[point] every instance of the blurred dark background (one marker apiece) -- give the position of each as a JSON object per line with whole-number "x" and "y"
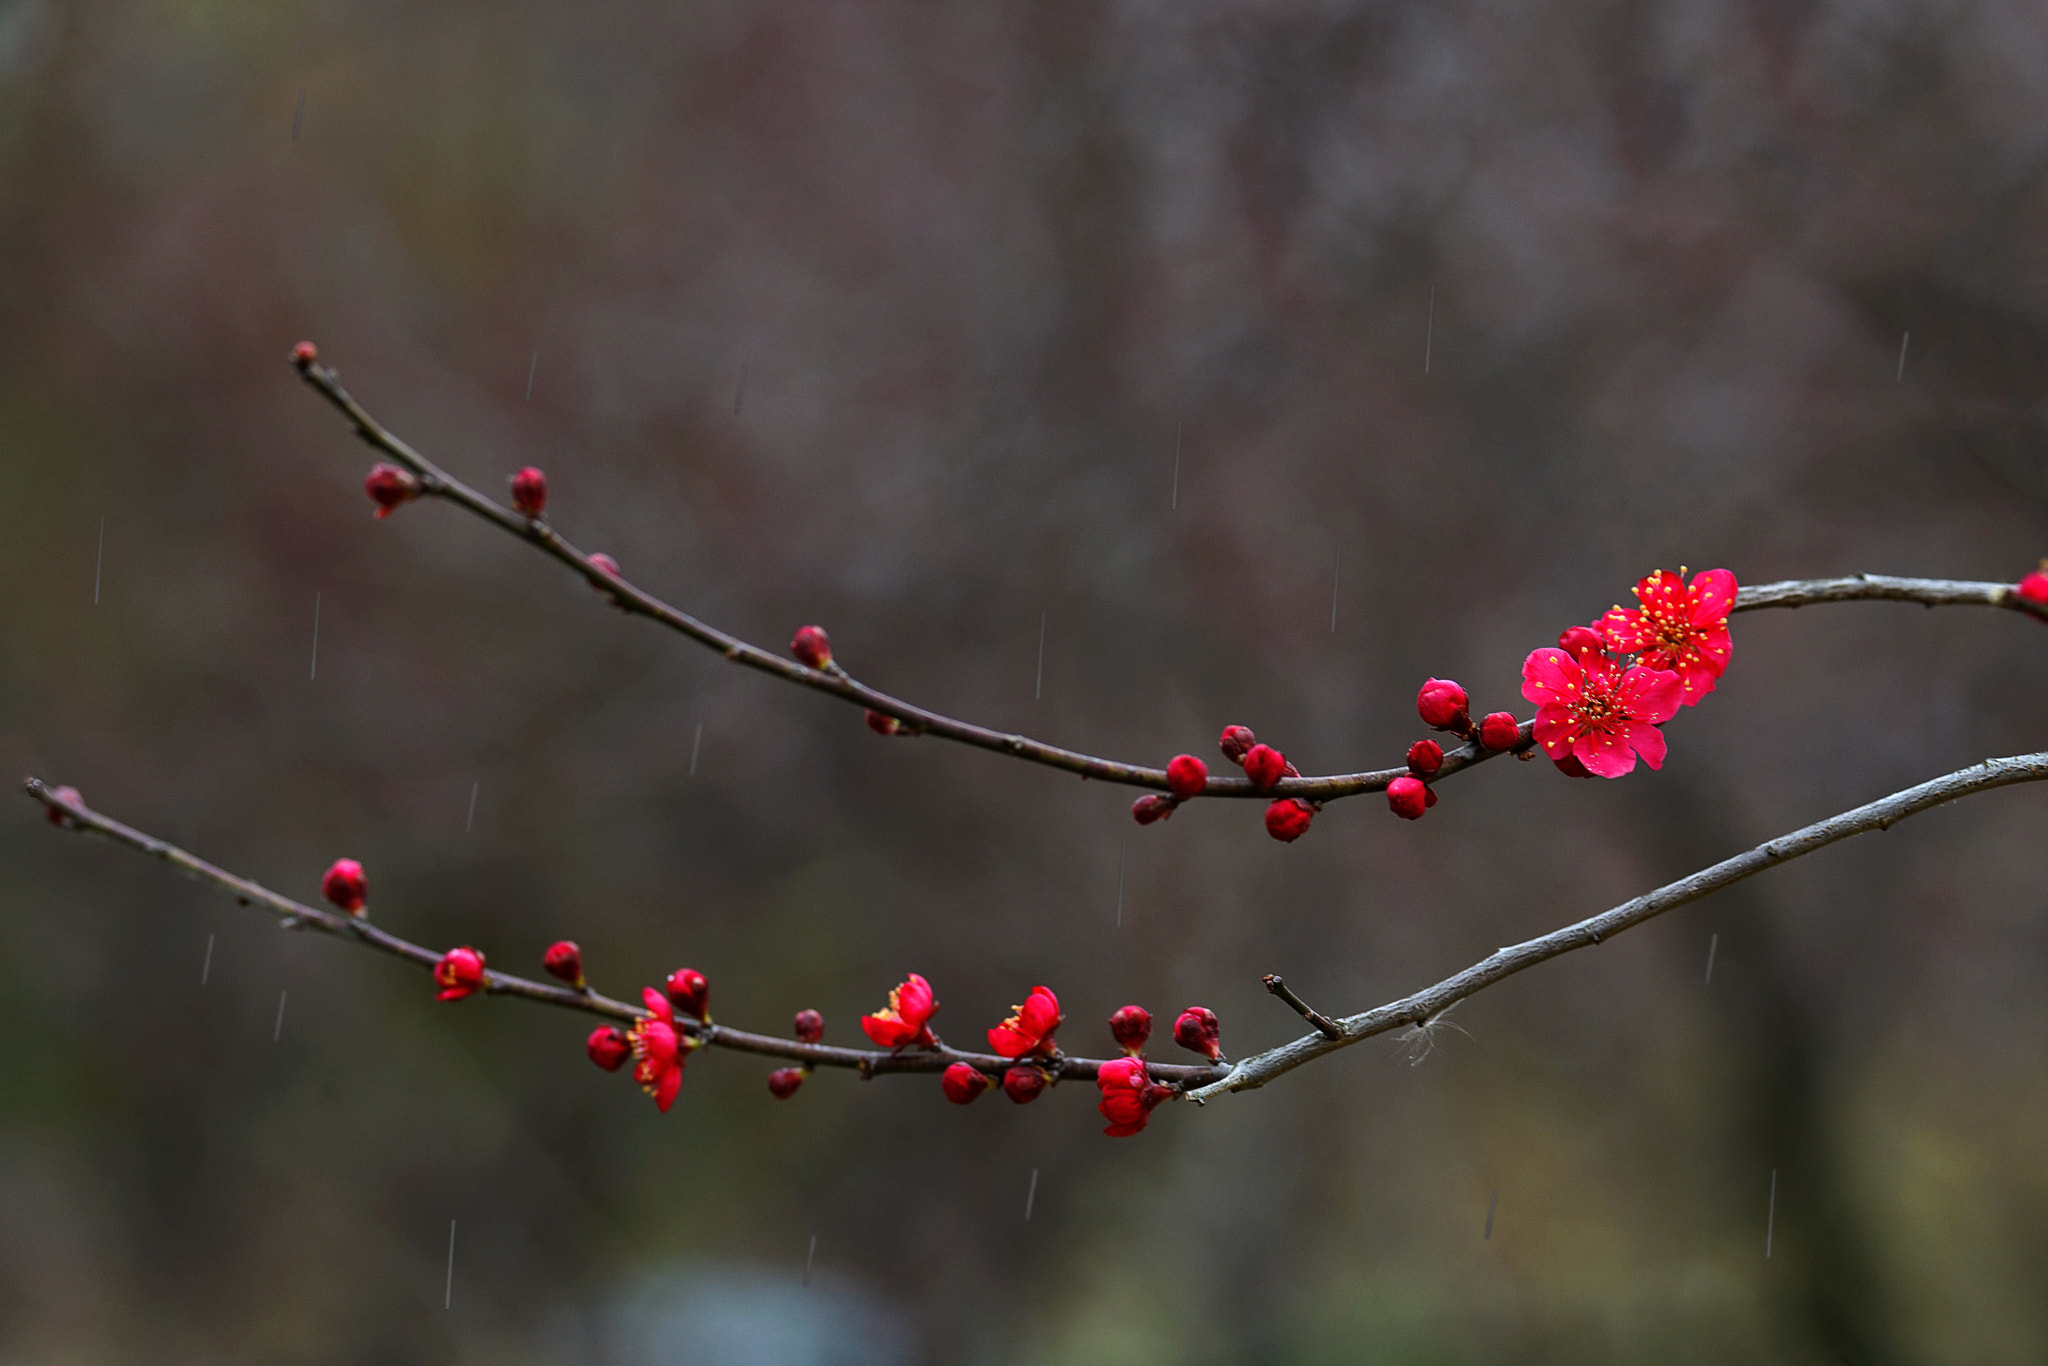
{"x": 892, "y": 316}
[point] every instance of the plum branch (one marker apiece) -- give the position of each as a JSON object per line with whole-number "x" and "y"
{"x": 1430, "y": 1003}
{"x": 431, "y": 481}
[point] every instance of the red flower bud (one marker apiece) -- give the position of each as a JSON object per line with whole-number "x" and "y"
{"x": 1499, "y": 730}
{"x": 460, "y": 972}
{"x": 345, "y": 885}
{"x": 1577, "y": 640}
{"x": 1236, "y": 741}
{"x": 1131, "y": 1025}
{"x": 1023, "y": 1084}
{"x": 530, "y": 491}
{"x": 1287, "y": 819}
{"x": 811, "y": 645}
{"x": 690, "y": 992}
{"x": 1187, "y": 776}
{"x": 604, "y": 564}
{"x": 1197, "y": 1031}
{"x": 564, "y": 960}
{"x": 69, "y": 796}
{"x": 390, "y": 488}
{"x": 1264, "y": 765}
{"x": 1409, "y": 797}
{"x": 1443, "y": 706}
{"x": 882, "y": 724}
{"x": 963, "y": 1084}
{"x": 608, "y": 1048}
{"x": 304, "y": 354}
{"x": 1571, "y": 767}
{"x": 1152, "y": 807}
{"x": 810, "y": 1026}
{"x": 783, "y": 1081}
{"x": 1128, "y": 1095}
{"x": 2034, "y": 587}
{"x": 1425, "y": 758}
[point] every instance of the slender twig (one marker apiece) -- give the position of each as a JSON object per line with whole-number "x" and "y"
{"x": 300, "y": 916}
{"x": 436, "y": 482}
{"x": 1430, "y": 1002}
{"x": 1330, "y": 1028}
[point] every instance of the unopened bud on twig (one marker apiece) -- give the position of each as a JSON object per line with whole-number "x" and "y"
{"x": 303, "y": 356}
{"x": 608, "y": 1048}
{"x": 390, "y": 488}
{"x": 2034, "y": 587}
{"x": 1152, "y": 807}
{"x": 605, "y": 564}
{"x": 810, "y": 1026}
{"x": 1425, "y": 758}
{"x": 1287, "y": 820}
{"x": 1187, "y": 776}
{"x": 1198, "y": 1031}
{"x": 1264, "y": 765}
{"x": 690, "y": 992}
{"x": 345, "y": 885}
{"x": 881, "y": 723}
{"x": 1131, "y": 1025}
{"x": 1499, "y": 731}
{"x": 1409, "y": 798}
{"x": 530, "y": 491}
{"x": 811, "y": 645}
{"x": 67, "y": 796}
{"x": 1443, "y": 705}
{"x": 1236, "y": 741}
{"x": 565, "y": 961}
{"x": 783, "y": 1081}
{"x": 963, "y": 1084}
{"x": 1024, "y": 1084}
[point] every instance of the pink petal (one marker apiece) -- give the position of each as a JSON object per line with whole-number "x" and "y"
{"x": 1713, "y": 596}
{"x": 1625, "y": 630}
{"x": 1650, "y": 694}
{"x": 1648, "y": 742}
{"x": 1696, "y": 677}
{"x": 1715, "y": 648}
{"x": 1557, "y": 728}
{"x": 1550, "y": 675}
{"x": 1605, "y": 754}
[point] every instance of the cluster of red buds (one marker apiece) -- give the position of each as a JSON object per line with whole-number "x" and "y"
{"x": 1186, "y": 776}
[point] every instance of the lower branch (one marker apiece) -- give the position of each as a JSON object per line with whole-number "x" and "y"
{"x": 1431, "y": 1002}
{"x": 69, "y": 811}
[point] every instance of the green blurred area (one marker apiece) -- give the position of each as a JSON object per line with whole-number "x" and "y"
{"x": 920, "y": 322}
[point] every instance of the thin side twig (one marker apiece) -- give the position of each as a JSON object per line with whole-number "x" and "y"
{"x": 1430, "y": 1002}
{"x": 1328, "y": 1027}
{"x": 869, "y": 1062}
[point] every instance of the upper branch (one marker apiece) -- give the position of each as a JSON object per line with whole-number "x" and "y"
{"x": 1430, "y": 1002}
{"x": 75, "y": 814}
{"x": 436, "y": 482}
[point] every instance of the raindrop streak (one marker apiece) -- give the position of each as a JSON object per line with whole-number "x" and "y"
{"x": 295, "y": 115}
{"x": 277, "y": 1032}
{"x": 1901, "y": 377}
{"x": 1429, "y": 335}
{"x": 1031, "y": 1195}
{"x": 448, "y": 1292}
{"x": 1335, "y": 576}
{"x": 206, "y": 968}
{"x": 1121, "y": 864}
{"x": 1490, "y": 1206}
{"x": 1176, "y": 464}
{"x": 810, "y": 1257}
{"x": 694, "y": 746}
{"x": 1712, "y": 944}
{"x": 472, "y": 806}
{"x": 1771, "y": 1219}
{"x": 98, "y": 560}
{"x": 531, "y": 366}
{"x": 314, "y": 673}
{"x": 1038, "y": 688}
